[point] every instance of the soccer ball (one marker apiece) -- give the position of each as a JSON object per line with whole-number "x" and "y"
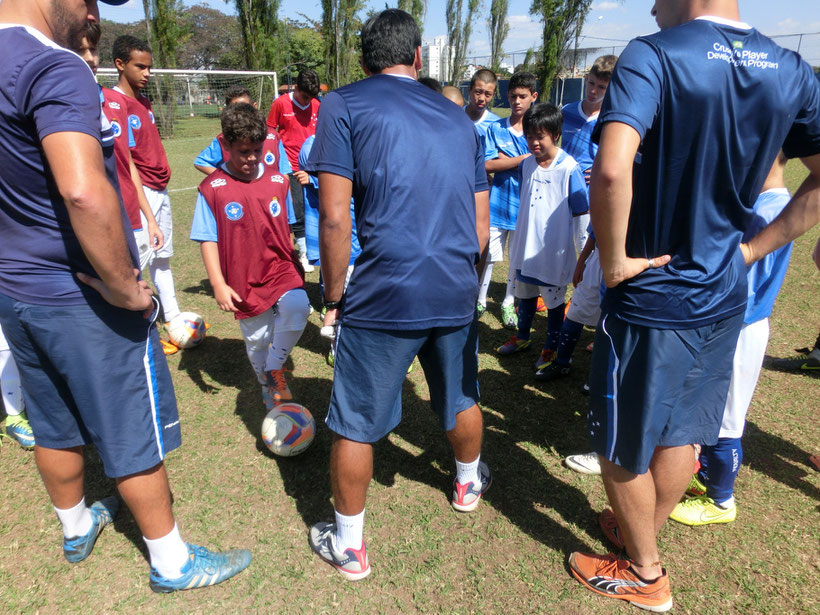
{"x": 288, "y": 429}
{"x": 186, "y": 330}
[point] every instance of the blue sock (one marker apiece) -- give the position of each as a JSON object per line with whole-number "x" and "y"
{"x": 555, "y": 320}
{"x": 719, "y": 467}
{"x": 526, "y": 312}
{"x": 570, "y": 332}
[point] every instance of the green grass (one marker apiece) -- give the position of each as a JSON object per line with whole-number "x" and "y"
{"x": 509, "y": 556}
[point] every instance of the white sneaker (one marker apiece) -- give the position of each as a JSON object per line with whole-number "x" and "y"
{"x": 306, "y": 265}
{"x": 585, "y": 464}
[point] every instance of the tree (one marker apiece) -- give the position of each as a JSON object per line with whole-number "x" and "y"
{"x": 340, "y": 24}
{"x": 416, "y": 8}
{"x": 562, "y": 20}
{"x": 499, "y": 28}
{"x": 259, "y": 25}
{"x": 459, "y": 28}
{"x": 304, "y": 48}
{"x": 215, "y": 40}
{"x": 166, "y": 33}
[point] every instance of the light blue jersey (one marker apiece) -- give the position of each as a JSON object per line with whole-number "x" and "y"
{"x": 766, "y": 276}
{"x": 483, "y": 124}
{"x": 576, "y": 138}
{"x": 506, "y": 188}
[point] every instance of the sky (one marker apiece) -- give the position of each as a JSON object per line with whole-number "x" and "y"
{"x": 610, "y": 22}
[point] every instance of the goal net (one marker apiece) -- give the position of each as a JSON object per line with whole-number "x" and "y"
{"x": 177, "y": 94}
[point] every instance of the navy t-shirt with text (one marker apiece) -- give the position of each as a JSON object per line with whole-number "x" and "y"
{"x": 416, "y": 162}
{"x": 713, "y": 102}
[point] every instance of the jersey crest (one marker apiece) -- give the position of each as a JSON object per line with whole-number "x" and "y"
{"x": 234, "y": 211}
{"x": 277, "y": 179}
{"x": 270, "y": 158}
{"x": 275, "y": 207}
{"x": 218, "y": 182}
{"x": 116, "y": 128}
{"x": 135, "y": 122}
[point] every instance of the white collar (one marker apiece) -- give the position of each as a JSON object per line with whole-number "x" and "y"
{"x": 741, "y": 25}
{"x": 296, "y": 103}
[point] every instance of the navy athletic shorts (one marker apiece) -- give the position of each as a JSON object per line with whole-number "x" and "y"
{"x": 94, "y": 374}
{"x": 370, "y": 368}
{"x": 657, "y": 387}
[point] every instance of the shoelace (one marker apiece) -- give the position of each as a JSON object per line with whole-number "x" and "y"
{"x": 279, "y": 379}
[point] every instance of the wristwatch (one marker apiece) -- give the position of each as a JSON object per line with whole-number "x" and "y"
{"x": 330, "y": 305}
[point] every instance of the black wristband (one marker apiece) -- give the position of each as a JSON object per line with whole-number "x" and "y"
{"x": 330, "y": 305}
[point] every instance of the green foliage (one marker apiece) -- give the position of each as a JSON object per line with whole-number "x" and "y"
{"x": 304, "y": 48}
{"x": 562, "y": 21}
{"x": 459, "y": 29}
{"x": 341, "y": 23}
{"x": 417, "y": 8}
{"x": 259, "y": 26}
{"x": 499, "y": 28}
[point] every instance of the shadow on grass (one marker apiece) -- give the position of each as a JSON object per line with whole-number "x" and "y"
{"x": 778, "y": 459}
{"x": 203, "y": 288}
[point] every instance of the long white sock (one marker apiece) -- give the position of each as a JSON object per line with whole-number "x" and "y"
{"x": 168, "y": 554}
{"x": 468, "y": 472}
{"x": 76, "y": 521}
{"x": 349, "y": 531}
{"x": 509, "y": 293}
{"x": 283, "y": 343}
{"x": 10, "y": 383}
{"x": 291, "y": 317}
{"x": 726, "y": 503}
{"x": 163, "y": 278}
{"x": 484, "y": 285}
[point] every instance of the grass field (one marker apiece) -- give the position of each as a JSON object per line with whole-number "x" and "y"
{"x": 507, "y": 557}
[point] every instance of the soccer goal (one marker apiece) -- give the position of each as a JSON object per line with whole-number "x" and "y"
{"x": 177, "y": 94}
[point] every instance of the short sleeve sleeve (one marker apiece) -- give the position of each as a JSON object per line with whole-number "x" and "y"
{"x": 634, "y": 92}
{"x": 333, "y": 149}
{"x": 57, "y": 90}
{"x": 803, "y": 139}
{"x": 284, "y": 164}
{"x": 578, "y": 195}
{"x": 211, "y": 156}
{"x": 490, "y": 145}
{"x": 131, "y": 141}
{"x": 480, "y": 172}
{"x": 274, "y": 114}
{"x": 203, "y": 227}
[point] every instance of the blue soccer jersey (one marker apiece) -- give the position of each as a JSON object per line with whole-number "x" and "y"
{"x": 482, "y": 125}
{"x": 415, "y": 162}
{"x": 576, "y": 136}
{"x": 311, "y": 193}
{"x": 713, "y": 101}
{"x": 505, "y": 192}
{"x": 44, "y": 89}
{"x": 766, "y": 275}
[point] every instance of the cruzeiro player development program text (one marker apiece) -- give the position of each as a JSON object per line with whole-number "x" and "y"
{"x": 737, "y": 56}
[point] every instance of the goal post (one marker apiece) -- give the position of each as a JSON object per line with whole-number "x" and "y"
{"x": 177, "y": 94}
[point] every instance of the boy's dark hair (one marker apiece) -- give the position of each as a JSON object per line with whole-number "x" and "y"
{"x": 308, "y": 82}
{"x": 543, "y": 117}
{"x": 431, "y": 83}
{"x": 485, "y": 75}
{"x": 242, "y": 122}
{"x": 389, "y": 38}
{"x": 93, "y": 32}
{"x": 125, "y": 44}
{"x": 523, "y": 80}
{"x": 236, "y": 91}
{"x": 602, "y": 67}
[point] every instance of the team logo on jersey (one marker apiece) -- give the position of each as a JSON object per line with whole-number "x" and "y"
{"x": 234, "y": 211}
{"x": 737, "y": 44}
{"x": 271, "y": 136}
{"x": 218, "y": 182}
{"x": 135, "y": 122}
{"x": 151, "y": 115}
{"x": 275, "y": 207}
{"x": 277, "y": 179}
{"x": 113, "y": 105}
{"x": 270, "y": 158}
{"x": 116, "y": 128}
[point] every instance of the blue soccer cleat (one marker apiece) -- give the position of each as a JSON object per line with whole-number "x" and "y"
{"x": 204, "y": 568}
{"x": 102, "y": 513}
{"x": 17, "y": 427}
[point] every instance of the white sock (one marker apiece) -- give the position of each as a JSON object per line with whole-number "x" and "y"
{"x": 291, "y": 312}
{"x": 349, "y": 531}
{"x": 283, "y": 343}
{"x": 301, "y": 246}
{"x": 726, "y": 503}
{"x": 168, "y": 554}
{"x": 163, "y": 279}
{"x": 509, "y": 293}
{"x": 484, "y": 285}
{"x": 468, "y": 472}
{"x": 76, "y": 521}
{"x": 10, "y": 383}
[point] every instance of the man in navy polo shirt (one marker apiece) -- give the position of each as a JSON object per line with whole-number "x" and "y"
{"x": 68, "y": 264}
{"x": 702, "y": 108}
{"x": 414, "y": 165}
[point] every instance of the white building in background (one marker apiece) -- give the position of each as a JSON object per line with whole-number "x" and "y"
{"x": 435, "y": 58}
